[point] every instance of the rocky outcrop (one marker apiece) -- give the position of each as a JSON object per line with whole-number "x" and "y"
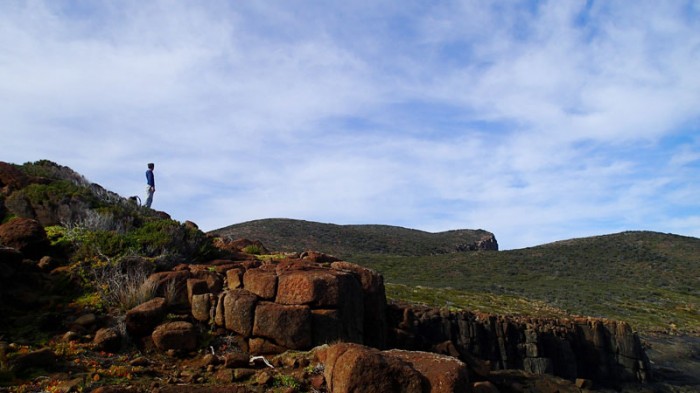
{"x": 294, "y": 304}
{"x": 11, "y": 178}
{"x": 607, "y": 352}
{"x": 485, "y": 243}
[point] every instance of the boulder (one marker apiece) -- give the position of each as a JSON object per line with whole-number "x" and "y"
{"x": 42, "y": 358}
{"x": 177, "y": 336}
{"x": 213, "y": 280}
{"x": 445, "y": 374}
{"x": 26, "y": 235}
{"x": 201, "y": 306}
{"x": 318, "y": 288}
{"x": 234, "y": 278}
{"x": 236, "y": 360}
{"x": 261, "y": 281}
{"x": 356, "y": 368}
{"x": 239, "y": 309}
{"x": 141, "y": 319}
{"x": 286, "y": 325}
{"x": 107, "y": 340}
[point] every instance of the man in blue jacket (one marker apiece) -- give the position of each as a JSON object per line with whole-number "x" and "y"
{"x": 150, "y": 185}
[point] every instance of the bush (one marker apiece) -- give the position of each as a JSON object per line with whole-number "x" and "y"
{"x": 253, "y": 249}
{"x": 124, "y": 284}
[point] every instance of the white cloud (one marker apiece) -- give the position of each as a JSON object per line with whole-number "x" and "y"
{"x": 532, "y": 120}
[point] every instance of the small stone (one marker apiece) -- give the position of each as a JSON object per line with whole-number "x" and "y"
{"x": 242, "y": 373}
{"x": 70, "y": 336}
{"x": 263, "y": 378}
{"x": 86, "y": 320}
{"x": 140, "y": 362}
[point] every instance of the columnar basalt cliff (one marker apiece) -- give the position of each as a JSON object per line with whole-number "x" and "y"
{"x": 607, "y": 352}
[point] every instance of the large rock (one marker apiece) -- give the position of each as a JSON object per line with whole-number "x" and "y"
{"x": 261, "y": 281}
{"x": 445, "y": 374}
{"x": 325, "y": 289}
{"x": 201, "y": 306}
{"x": 288, "y": 326}
{"x": 318, "y": 288}
{"x": 178, "y": 336}
{"x": 26, "y": 235}
{"x": 142, "y": 319}
{"x": 356, "y": 368}
{"x": 108, "y": 340}
{"x": 239, "y": 309}
{"x": 42, "y": 358}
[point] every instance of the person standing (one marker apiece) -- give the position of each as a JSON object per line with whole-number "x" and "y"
{"x": 150, "y": 185}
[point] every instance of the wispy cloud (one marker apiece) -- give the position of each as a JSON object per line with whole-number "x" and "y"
{"x": 537, "y": 120}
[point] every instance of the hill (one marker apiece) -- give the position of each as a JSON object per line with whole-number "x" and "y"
{"x": 646, "y": 278}
{"x": 346, "y": 241}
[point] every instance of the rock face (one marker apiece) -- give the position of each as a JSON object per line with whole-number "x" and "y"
{"x": 607, "y": 352}
{"x": 296, "y": 304}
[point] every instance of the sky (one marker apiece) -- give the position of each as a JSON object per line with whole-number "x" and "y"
{"x": 535, "y": 120}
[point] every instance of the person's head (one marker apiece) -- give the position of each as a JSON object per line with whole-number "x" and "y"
{"x": 151, "y": 165}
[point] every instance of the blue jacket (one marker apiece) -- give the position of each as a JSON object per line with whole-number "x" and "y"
{"x": 149, "y": 178}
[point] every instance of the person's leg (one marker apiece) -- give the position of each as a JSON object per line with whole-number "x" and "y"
{"x": 149, "y": 196}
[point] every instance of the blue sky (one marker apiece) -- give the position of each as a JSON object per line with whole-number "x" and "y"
{"x": 536, "y": 120}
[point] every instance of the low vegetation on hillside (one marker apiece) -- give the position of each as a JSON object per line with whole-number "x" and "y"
{"x": 648, "y": 279}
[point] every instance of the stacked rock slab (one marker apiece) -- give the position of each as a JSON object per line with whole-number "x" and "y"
{"x": 607, "y": 352}
{"x": 294, "y": 304}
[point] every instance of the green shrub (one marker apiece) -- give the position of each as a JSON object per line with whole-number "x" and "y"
{"x": 253, "y": 249}
{"x": 55, "y": 193}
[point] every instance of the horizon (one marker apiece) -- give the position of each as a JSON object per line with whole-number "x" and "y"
{"x": 537, "y": 121}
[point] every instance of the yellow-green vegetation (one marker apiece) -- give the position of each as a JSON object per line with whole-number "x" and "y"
{"x": 287, "y": 381}
{"x": 253, "y": 249}
{"x": 647, "y": 279}
{"x": 473, "y": 301}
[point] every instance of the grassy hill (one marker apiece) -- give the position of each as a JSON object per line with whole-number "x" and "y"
{"x": 346, "y": 241}
{"x": 649, "y": 279}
